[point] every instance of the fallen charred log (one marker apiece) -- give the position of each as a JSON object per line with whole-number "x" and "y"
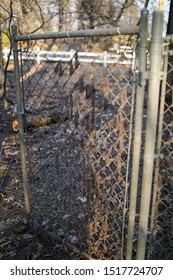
{"x": 40, "y": 120}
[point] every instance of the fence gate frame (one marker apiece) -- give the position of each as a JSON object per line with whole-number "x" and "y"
{"x": 154, "y": 76}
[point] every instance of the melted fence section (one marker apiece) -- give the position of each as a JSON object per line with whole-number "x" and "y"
{"x": 78, "y": 122}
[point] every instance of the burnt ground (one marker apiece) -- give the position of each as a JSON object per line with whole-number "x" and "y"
{"x": 17, "y": 239}
{"x": 63, "y": 193}
{"x": 50, "y": 196}
{"x": 63, "y": 187}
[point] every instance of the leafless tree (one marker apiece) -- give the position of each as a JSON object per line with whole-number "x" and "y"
{"x": 35, "y": 15}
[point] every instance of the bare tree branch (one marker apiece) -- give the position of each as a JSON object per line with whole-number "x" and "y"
{"x": 5, "y": 9}
{"x": 8, "y": 59}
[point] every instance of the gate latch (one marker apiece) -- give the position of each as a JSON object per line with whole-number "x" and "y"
{"x": 143, "y": 76}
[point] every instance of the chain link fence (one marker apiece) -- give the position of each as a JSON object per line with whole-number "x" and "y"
{"x": 162, "y": 243}
{"x": 76, "y": 103}
{"x": 11, "y": 191}
{"x": 78, "y": 112}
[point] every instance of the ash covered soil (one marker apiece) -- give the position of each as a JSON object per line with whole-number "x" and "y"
{"x": 61, "y": 181}
{"x": 56, "y": 197}
{"x": 18, "y": 241}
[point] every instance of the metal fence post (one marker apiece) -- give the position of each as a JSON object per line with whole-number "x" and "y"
{"x": 152, "y": 115}
{"x": 138, "y": 129}
{"x": 20, "y": 121}
{"x": 154, "y": 206}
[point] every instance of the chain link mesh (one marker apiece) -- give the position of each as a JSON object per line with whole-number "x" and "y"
{"x": 78, "y": 122}
{"x": 161, "y": 247}
{"x": 11, "y": 192}
{"x": 78, "y": 105}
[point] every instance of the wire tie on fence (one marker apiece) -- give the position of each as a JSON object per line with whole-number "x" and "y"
{"x": 19, "y": 113}
{"x": 118, "y": 30}
{"x": 29, "y": 37}
{"x": 161, "y": 156}
{"x": 67, "y": 34}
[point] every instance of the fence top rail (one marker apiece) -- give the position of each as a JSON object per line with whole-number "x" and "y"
{"x": 131, "y": 30}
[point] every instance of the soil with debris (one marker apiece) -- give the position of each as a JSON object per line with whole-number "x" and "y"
{"x": 62, "y": 185}
{"x": 63, "y": 190}
{"x": 17, "y": 240}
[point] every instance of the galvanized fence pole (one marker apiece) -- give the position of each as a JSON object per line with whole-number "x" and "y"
{"x": 81, "y": 33}
{"x": 152, "y": 116}
{"x": 20, "y": 113}
{"x": 159, "y": 143}
{"x": 138, "y": 129}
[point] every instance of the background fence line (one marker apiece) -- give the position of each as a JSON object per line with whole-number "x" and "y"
{"x": 127, "y": 56}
